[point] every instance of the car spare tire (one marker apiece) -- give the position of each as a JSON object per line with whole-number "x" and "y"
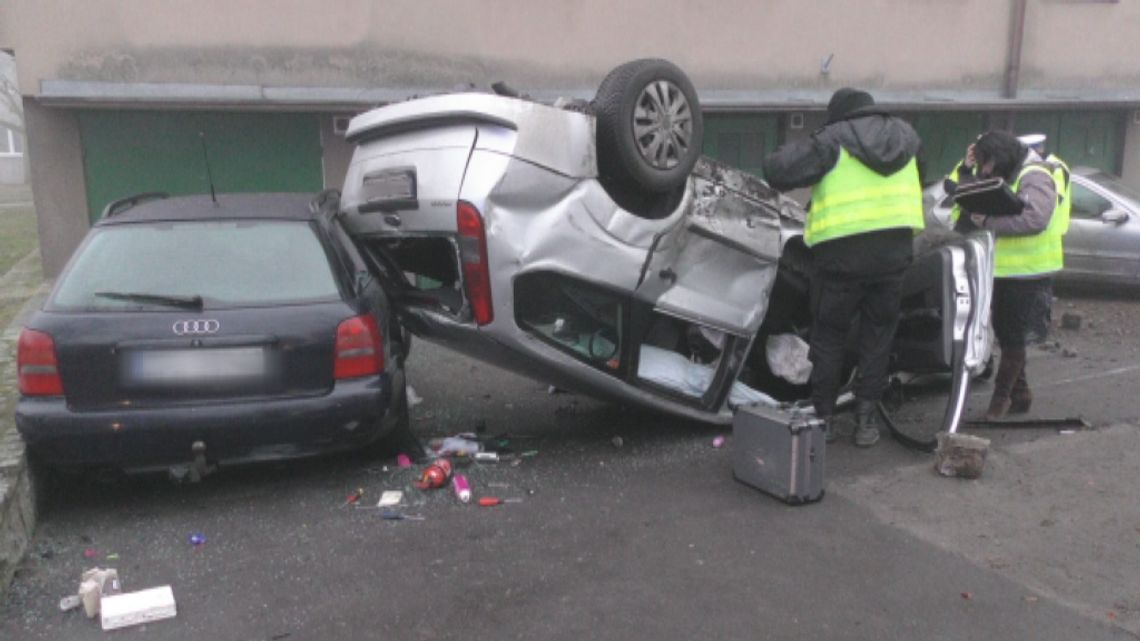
{"x": 649, "y": 128}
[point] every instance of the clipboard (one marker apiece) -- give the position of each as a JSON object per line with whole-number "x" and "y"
{"x": 991, "y": 197}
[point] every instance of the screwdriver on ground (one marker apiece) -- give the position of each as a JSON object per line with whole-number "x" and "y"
{"x": 389, "y": 515}
{"x": 491, "y": 501}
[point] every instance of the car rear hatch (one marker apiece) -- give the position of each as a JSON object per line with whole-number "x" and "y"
{"x": 168, "y": 313}
{"x": 402, "y": 189}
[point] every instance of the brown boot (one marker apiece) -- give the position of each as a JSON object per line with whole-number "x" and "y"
{"x": 1011, "y": 365}
{"x": 1020, "y": 398}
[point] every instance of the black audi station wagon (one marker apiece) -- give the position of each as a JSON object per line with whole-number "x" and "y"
{"x": 186, "y": 332}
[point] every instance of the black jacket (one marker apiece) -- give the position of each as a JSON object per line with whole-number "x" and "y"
{"x": 884, "y": 144}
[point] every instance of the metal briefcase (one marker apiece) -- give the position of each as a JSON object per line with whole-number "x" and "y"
{"x": 780, "y": 452}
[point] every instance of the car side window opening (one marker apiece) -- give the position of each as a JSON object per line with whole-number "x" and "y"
{"x": 227, "y": 264}
{"x": 1087, "y": 204}
{"x": 685, "y": 358}
{"x": 583, "y": 320}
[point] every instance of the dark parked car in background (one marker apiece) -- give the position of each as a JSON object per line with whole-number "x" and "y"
{"x": 186, "y": 332}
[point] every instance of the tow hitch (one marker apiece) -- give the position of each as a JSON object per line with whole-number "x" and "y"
{"x": 197, "y": 469}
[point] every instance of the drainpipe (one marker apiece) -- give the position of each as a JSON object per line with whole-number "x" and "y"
{"x": 1016, "y": 32}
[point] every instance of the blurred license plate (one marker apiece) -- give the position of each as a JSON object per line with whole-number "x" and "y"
{"x": 188, "y": 366}
{"x": 389, "y": 190}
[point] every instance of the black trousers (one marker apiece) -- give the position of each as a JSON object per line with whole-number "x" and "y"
{"x": 1022, "y": 310}
{"x": 837, "y": 303}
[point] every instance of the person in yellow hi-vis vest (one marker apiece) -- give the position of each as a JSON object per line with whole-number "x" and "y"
{"x": 1027, "y": 254}
{"x": 1062, "y": 176}
{"x": 866, "y": 203}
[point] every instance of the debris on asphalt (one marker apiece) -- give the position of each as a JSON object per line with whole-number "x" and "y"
{"x": 113, "y": 557}
{"x": 68, "y": 603}
{"x": 402, "y": 460}
{"x": 461, "y": 445}
{"x": 354, "y": 498}
{"x": 390, "y": 498}
{"x": 197, "y": 539}
{"x": 135, "y": 608}
{"x": 492, "y": 501}
{"x": 718, "y": 442}
{"x": 528, "y": 453}
{"x": 90, "y": 553}
{"x": 391, "y": 515}
{"x": 413, "y": 398}
{"x": 435, "y": 475}
{"x": 93, "y": 585}
{"x": 462, "y": 488}
{"x": 487, "y": 457}
{"x": 1072, "y": 422}
{"x": 1069, "y": 353}
{"x": 960, "y": 455}
{"x": 617, "y": 441}
{"x": 1071, "y": 320}
{"x": 967, "y": 596}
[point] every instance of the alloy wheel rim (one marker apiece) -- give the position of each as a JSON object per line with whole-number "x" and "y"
{"x": 662, "y": 124}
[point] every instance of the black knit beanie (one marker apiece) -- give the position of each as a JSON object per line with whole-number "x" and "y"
{"x": 845, "y": 101}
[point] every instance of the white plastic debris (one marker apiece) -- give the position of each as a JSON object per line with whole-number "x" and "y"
{"x": 413, "y": 398}
{"x": 133, "y": 608}
{"x": 788, "y": 358}
{"x": 69, "y": 603}
{"x": 390, "y": 498}
{"x": 674, "y": 371}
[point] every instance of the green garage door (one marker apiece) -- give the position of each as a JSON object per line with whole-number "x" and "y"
{"x": 129, "y": 152}
{"x": 1080, "y": 138}
{"x": 740, "y": 140}
{"x": 945, "y": 137}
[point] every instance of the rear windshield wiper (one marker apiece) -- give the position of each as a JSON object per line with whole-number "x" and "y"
{"x": 183, "y": 302}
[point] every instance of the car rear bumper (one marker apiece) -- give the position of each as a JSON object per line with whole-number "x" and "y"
{"x": 354, "y": 413}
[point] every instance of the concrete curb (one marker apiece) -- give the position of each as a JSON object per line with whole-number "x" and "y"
{"x": 17, "y": 492}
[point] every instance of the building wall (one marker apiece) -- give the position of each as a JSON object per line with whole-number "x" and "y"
{"x": 731, "y": 44}
{"x": 12, "y": 170}
{"x": 58, "y": 183}
{"x": 1130, "y": 163}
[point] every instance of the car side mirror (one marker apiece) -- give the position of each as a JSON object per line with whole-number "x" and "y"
{"x": 1114, "y": 216}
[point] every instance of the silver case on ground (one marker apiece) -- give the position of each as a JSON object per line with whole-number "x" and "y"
{"x": 779, "y": 452}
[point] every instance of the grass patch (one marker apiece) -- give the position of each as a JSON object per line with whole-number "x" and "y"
{"x": 17, "y": 234}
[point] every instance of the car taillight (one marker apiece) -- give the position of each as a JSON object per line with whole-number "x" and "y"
{"x": 473, "y": 255}
{"x": 36, "y": 366}
{"x": 359, "y": 351}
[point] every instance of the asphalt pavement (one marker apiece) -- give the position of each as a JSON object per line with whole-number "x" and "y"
{"x": 630, "y": 525}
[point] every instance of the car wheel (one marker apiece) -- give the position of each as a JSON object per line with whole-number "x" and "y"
{"x": 649, "y": 128}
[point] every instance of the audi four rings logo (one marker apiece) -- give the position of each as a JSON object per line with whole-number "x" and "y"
{"x": 184, "y": 327}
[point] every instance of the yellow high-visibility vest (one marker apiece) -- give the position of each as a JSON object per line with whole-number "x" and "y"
{"x": 854, "y": 199}
{"x": 1062, "y": 176}
{"x": 1032, "y": 255}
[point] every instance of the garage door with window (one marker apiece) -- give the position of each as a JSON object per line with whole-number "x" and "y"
{"x": 945, "y": 137}
{"x": 740, "y": 140}
{"x": 1080, "y": 138}
{"x": 129, "y": 152}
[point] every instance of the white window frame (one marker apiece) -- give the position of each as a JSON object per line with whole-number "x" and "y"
{"x": 11, "y": 151}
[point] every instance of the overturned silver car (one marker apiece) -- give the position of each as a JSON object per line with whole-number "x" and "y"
{"x": 589, "y": 245}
